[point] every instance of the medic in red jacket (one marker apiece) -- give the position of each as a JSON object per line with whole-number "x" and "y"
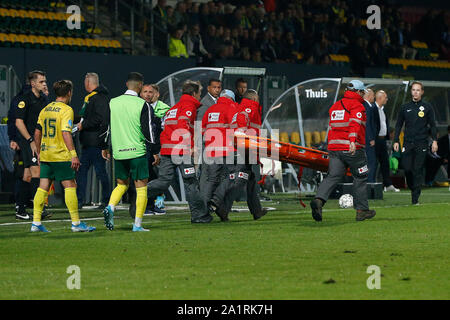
{"x": 347, "y": 123}
{"x": 248, "y": 118}
{"x": 177, "y": 137}
{"x": 216, "y": 127}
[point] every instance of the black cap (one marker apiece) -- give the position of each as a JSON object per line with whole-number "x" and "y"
{"x": 135, "y": 76}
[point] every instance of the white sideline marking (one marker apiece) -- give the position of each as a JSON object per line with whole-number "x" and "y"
{"x": 48, "y": 221}
{"x": 234, "y": 209}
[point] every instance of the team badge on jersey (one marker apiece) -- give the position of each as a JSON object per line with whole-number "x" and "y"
{"x": 21, "y": 104}
{"x": 421, "y": 114}
{"x": 421, "y": 108}
{"x": 188, "y": 113}
{"x": 359, "y": 115}
{"x": 248, "y": 110}
{"x": 213, "y": 117}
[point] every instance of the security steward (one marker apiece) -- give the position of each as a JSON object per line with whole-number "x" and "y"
{"x": 418, "y": 117}
{"x": 219, "y": 143}
{"x": 29, "y": 105}
{"x": 346, "y": 142}
{"x": 177, "y": 148}
{"x": 247, "y": 122}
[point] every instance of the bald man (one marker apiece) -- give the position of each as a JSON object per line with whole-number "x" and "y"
{"x": 382, "y": 135}
{"x": 369, "y": 99}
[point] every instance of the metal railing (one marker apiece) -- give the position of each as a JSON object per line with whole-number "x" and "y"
{"x": 134, "y": 17}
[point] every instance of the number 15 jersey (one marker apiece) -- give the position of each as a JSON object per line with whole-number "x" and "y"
{"x": 53, "y": 120}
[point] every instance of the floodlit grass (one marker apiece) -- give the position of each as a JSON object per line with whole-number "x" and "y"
{"x": 285, "y": 255}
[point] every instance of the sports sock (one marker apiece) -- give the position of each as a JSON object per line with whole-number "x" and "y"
{"x": 116, "y": 195}
{"x": 70, "y": 196}
{"x": 34, "y": 184}
{"x": 24, "y": 194}
{"x": 141, "y": 204}
{"x": 38, "y": 204}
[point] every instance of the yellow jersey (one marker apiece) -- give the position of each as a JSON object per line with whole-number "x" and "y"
{"x": 53, "y": 120}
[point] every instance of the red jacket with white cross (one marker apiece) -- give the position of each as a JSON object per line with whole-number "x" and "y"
{"x": 177, "y": 137}
{"x": 217, "y": 134}
{"x": 248, "y": 118}
{"x": 347, "y": 123}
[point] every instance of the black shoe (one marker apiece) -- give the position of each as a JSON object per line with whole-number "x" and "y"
{"x": 212, "y": 207}
{"x": 157, "y": 211}
{"x": 22, "y": 214}
{"x": 101, "y": 206}
{"x": 204, "y": 219}
{"x": 316, "y": 206}
{"x": 260, "y": 214}
{"x": 45, "y": 213}
{"x": 364, "y": 214}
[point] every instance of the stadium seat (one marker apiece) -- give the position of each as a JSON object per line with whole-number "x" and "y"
{"x": 284, "y": 137}
{"x": 295, "y": 137}
{"x": 308, "y": 138}
{"x": 316, "y": 137}
{"x": 5, "y": 41}
{"x": 323, "y": 136}
{"x": 46, "y": 22}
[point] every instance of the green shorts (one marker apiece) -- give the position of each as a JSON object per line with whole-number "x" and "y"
{"x": 59, "y": 171}
{"x": 137, "y": 168}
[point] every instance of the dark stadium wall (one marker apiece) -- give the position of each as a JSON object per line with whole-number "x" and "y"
{"x": 113, "y": 69}
{"x": 295, "y": 73}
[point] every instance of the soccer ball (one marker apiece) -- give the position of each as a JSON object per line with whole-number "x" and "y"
{"x": 346, "y": 201}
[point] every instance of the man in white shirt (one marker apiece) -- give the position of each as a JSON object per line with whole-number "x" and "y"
{"x": 381, "y": 135}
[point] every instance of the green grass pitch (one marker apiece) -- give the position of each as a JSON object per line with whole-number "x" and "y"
{"x": 285, "y": 255}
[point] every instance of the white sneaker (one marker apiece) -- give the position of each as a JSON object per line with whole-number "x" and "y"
{"x": 391, "y": 188}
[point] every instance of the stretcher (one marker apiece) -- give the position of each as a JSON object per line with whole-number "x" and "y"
{"x": 284, "y": 152}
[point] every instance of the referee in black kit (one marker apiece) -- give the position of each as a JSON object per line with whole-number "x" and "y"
{"x": 418, "y": 117}
{"x": 27, "y": 110}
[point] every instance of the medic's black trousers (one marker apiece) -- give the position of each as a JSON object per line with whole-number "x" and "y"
{"x": 166, "y": 173}
{"x": 339, "y": 162}
{"x": 238, "y": 176}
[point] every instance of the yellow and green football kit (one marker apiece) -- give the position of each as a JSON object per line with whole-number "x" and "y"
{"x": 55, "y": 158}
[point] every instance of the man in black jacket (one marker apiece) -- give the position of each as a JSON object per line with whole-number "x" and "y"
{"x": 27, "y": 107}
{"x": 369, "y": 98}
{"x": 94, "y": 130}
{"x": 418, "y": 117}
{"x": 22, "y": 188}
{"x": 381, "y": 136}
